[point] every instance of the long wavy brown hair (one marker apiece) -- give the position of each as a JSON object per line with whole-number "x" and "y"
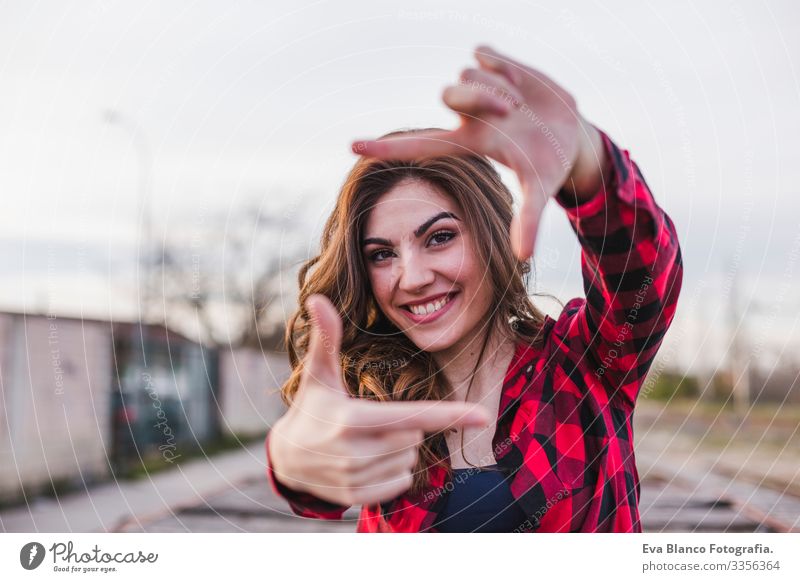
{"x": 378, "y": 361}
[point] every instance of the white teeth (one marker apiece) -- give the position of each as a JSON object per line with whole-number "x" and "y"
{"x": 430, "y": 307}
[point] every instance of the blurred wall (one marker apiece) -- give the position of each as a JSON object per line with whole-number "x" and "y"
{"x": 58, "y": 380}
{"x": 250, "y": 382}
{"x": 55, "y": 376}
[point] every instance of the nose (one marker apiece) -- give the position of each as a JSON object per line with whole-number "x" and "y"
{"x": 412, "y": 272}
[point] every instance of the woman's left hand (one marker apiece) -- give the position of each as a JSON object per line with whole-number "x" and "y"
{"x": 518, "y": 116}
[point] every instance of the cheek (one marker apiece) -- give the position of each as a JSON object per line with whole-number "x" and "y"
{"x": 483, "y": 299}
{"x": 381, "y": 283}
{"x": 474, "y": 277}
{"x": 465, "y": 268}
{"x": 454, "y": 263}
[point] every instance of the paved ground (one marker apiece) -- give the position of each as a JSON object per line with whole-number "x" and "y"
{"x": 118, "y": 506}
{"x": 703, "y": 470}
{"x": 229, "y": 492}
{"x": 250, "y": 507}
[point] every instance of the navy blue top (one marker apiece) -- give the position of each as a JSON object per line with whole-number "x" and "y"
{"x": 480, "y": 501}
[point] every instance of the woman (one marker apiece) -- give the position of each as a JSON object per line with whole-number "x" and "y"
{"x": 432, "y": 391}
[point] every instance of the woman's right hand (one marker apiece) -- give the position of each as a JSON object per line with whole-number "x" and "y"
{"x": 346, "y": 450}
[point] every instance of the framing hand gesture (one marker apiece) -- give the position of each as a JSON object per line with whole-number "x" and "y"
{"x": 519, "y": 117}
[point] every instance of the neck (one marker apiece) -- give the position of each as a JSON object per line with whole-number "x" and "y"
{"x": 458, "y": 362}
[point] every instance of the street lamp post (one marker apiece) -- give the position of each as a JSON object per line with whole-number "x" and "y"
{"x": 144, "y": 252}
{"x": 144, "y": 256}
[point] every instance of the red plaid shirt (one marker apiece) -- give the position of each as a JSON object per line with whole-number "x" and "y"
{"x": 564, "y": 422}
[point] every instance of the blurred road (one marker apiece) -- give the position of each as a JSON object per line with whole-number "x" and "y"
{"x": 164, "y": 498}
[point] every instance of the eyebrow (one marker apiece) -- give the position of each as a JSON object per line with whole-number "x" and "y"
{"x": 417, "y": 233}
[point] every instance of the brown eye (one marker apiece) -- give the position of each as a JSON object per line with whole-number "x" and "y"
{"x": 442, "y": 236}
{"x": 377, "y": 257}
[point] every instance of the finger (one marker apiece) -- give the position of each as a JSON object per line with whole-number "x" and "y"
{"x": 415, "y": 145}
{"x": 525, "y": 226}
{"x": 383, "y": 491}
{"x": 520, "y": 75}
{"x": 428, "y": 415}
{"x": 375, "y": 447}
{"x": 468, "y": 101}
{"x": 322, "y": 363}
{"x": 386, "y": 469}
{"x": 493, "y": 83}
{"x": 494, "y": 61}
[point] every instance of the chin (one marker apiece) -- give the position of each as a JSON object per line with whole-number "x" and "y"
{"x": 432, "y": 344}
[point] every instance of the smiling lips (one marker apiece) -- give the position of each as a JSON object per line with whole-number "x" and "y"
{"x": 423, "y": 313}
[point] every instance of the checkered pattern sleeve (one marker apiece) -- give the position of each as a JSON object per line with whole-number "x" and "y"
{"x": 632, "y": 273}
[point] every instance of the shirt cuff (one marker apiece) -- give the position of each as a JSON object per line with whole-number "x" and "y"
{"x": 598, "y": 201}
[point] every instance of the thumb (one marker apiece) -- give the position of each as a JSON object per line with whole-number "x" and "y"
{"x": 525, "y": 224}
{"x": 322, "y": 362}
{"x": 521, "y": 241}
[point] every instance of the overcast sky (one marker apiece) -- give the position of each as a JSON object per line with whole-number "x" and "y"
{"x": 256, "y": 102}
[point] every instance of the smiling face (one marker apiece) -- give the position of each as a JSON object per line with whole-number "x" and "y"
{"x": 425, "y": 273}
